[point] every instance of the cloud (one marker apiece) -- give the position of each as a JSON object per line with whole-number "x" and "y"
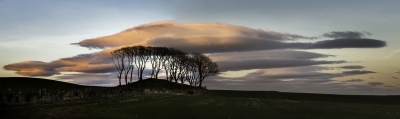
{"x": 100, "y": 79}
{"x": 280, "y": 54}
{"x": 353, "y": 80}
{"x": 294, "y": 75}
{"x": 230, "y": 46}
{"x": 90, "y": 68}
{"x": 313, "y": 84}
{"x": 346, "y": 43}
{"x": 391, "y": 54}
{"x": 315, "y": 75}
{"x": 305, "y": 73}
{"x": 218, "y": 37}
{"x": 346, "y": 34}
{"x": 237, "y": 65}
{"x": 217, "y": 44}
{"x": 352, "y": 67}
{"x": 162, "y": 29}
{"x": 34, "y": 68}
{"x": 375, "y": 83}
{"x": 85, "y": 63}
{"x": 353, "y": 72}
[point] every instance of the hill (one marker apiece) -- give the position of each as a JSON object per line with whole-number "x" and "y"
{"x": 26, "y": 84}
{"x": 159, "y": 84}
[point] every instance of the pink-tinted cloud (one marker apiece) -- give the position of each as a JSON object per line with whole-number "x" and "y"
{"x": 220, "y": 37}
{"x": 34, "y": 68}
{"x": 165, "y": 29}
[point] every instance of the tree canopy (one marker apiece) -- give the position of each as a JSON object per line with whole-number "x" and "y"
{"x": 179, "y": 67}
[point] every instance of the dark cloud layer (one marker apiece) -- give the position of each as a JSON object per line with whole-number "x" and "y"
{"x": 346, "y": 43}
{"x": 357, "y": 72}
{"x": 352, "y": 67}
{"x": 353, "y": 80}
{"x": 375, "y": 83}
{"x": 208, "y": 44}
{"x": 346, "y": 34}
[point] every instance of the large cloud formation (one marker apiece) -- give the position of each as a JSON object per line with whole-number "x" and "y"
{"x": 34, "y": 68}
{"x": 233, "y": 47}
{"x": 197, "y": 32}
{"x": 221, "y": 37}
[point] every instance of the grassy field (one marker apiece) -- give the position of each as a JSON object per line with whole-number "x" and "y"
{"x": 219, "y": 104}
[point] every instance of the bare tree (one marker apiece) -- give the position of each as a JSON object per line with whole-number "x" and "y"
{"x": 162, "y": 57}
{"x": 142, "y": 56}
{"x": 157, "y": 54}
{"x": 118, "y": 60}
{"x": 178, "y": 65}
{"x": 174, "y": 63}
{"x": 128, "y": 63}
{"x": 131, "y": 54}
{"x": 182, "y": 67}
{"x": 192, "y": 75}
{"x": 205, "y": 67}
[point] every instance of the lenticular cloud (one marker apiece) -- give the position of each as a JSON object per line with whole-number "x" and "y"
{"x": 168, "y": 29}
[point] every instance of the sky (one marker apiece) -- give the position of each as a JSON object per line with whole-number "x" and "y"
{"x": 314, "y": 46}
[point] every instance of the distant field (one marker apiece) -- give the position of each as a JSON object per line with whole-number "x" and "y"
{"x": 219, "y": 104}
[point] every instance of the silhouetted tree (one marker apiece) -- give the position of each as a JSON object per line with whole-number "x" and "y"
{"x": 182, "y": 67}
{"x": 118, "y": 60}
{"x": 157, "y": 54}
{"x": 205, "y": 66}
{"x": 192, "y": 75}
{"x": 128, "y": 65}
{"x": 178, "y": 65}
{"x": 163, "y": 58}
{"x": 131, "y": 54}
{"x": 142, "y": 56}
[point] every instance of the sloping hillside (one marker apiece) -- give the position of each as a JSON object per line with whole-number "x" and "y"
{"x": 26, "y": 84}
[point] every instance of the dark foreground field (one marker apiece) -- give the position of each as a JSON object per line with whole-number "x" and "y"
{"x": 219, "y": 104}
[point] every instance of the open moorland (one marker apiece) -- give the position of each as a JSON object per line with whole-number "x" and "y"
{"x": 162, "y": 99}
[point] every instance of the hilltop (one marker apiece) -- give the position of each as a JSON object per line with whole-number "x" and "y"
{"x": 26, "y": 84}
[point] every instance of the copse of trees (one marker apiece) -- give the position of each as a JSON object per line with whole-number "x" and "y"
{"x": 178, "y": 66}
